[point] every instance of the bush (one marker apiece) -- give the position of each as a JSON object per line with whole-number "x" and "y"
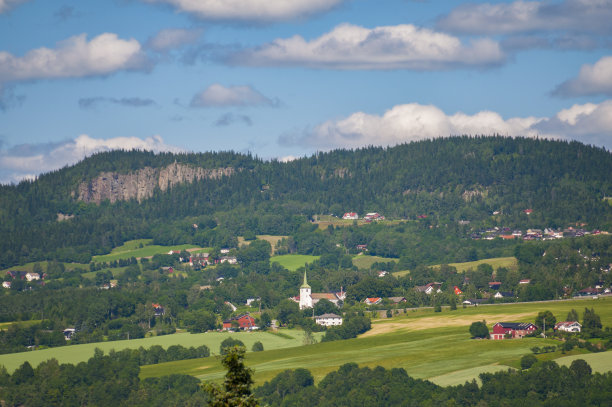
{"x": 257, "y": 347}
{"x": 228, "y": 344}
{"x": 527, "y": 361}
{"x": 479, "y": 330}
{"x": 438, "y": 308}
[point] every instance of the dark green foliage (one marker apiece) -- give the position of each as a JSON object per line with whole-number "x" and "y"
{"x": 572, "y": 315}
{"x": 479, "y": 330}
{"x": 545, "y": 317}
{"x": 591, "y": 322}
{"x": 236, "y": 389}
{"x": 228, "y": 344}
{"x": 325, "y": 306}
{"x": 257, "y": 347}
{"x": 352, "y": 325}
{"x": 527, "y": 361}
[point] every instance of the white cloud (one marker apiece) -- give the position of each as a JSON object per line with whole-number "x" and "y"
{"x": 217, "y": 95}
{"x": 592, "y": 80}
{"x": 6, "y": 5}
{"x": 250, "y": 10}
{"x": 172, "y": 38}
{"x": 21, "y": 161}
{"x": 590, "y": 16}
{"x": 73, "y": 58}
{"x": 404, "y": 123}
{"x": 390, "y": 47}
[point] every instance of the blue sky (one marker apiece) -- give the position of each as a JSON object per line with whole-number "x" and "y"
{"x": 285, "y": 78}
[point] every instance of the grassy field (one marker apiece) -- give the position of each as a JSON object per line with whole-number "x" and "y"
{"x": 509, "y": 262}
{"x": 30, "y": 266}
{"x": 365, "y": 262}
{"x": 428, "y": 345}
{"x": 133, "y": 249}
{"x": 6, "y": 325}
{"x": 293, "y": 262}
{"x": 80, "y": 353}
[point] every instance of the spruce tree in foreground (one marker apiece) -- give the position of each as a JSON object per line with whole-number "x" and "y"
{"x": 236, "y": 390}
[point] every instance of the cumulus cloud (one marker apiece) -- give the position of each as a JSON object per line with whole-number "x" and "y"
{"x": 349, "y": 46}
{"x": 217, "y": 95}
{"x": 24, "y": 160}
{"x": 172, "y": 38}
{"x": 86, "y": 103}
{"x": 410, "y": 122}
{"x": 591, "y": 80}
{"x": 6, "y": 5}
{"x": 250, "y": 10}
{"x": 73, "y": 58}
{"x": 588, "y": 16}
{"x": 230, "y": 118}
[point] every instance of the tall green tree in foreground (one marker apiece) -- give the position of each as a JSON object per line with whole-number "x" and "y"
{"x": 236, "y": 391}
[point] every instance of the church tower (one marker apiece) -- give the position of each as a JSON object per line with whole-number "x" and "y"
{"x": 305, "y": 298}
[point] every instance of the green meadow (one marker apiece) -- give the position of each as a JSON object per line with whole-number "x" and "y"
{"x": 365, "y": 262}
{"x": 81, "y": 353}
{"x": 293, "y": 262}
{"x": 508, "y": 262}
{"x": 132, "y": 249}
{"x": 428, "y": 345}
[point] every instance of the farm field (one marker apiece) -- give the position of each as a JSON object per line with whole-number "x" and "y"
{"x": 132, "y": 249}
{"x": 428, "y": 345}
{"x": 29, "y": 267}
{"x": 81, "y": 353}
{"x": 293, "y": 262}
{"x": 509, "y": 262}
{"x": 365, "y": 262}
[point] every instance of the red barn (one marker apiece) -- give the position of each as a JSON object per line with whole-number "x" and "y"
{"x": 245, "y": 322}
{"x": 514, "y": 329}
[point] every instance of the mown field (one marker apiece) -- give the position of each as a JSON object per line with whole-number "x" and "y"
{"x": 508, "y": 262}
{"x": 293, "y": 262}
{"x": 365, "y": 262}
{"x": 428, "y": 345}
{"x": 80, "y": 353}
{"x": 132, "y": 249}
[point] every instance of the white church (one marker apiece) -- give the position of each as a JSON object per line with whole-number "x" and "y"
{"x": 307, "y": 299}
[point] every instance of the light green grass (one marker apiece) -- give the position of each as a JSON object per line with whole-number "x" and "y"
{"x": 29, "y": 267}
{"x": 293, "y": 262}
{"x": 365, "y": 262}
{"x": 507, "y": 262}
{"x": 6, "y": 325}
{"x": 599, "y": 362}
{"x": 80, "y": 353}
{"x": 407, "y": 341}
{"x": 132, "y": 249}
{"x": 462, "y": 376}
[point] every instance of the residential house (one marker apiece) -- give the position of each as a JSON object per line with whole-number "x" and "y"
{"x": 588, "y": 291}
{"x": 503, "y": 294}
{"x": 328, "y": 320}
{"x": 232, "y": 306}
{"x": 6, "y": 284}
{"x": 32, "y": 276}
{"x": 159, "y": 310}
{"x": 249, "y": 301}
{"x": 373, "y": 216}
{"x": 372, "y": 301}
{"x": 350, "y": 216}
{"x": 494, "y": 285}
{"x": 69, "y": 333}
{"x": 382, "y": 273}
{"x": 362, "y": 247}
{"x": 429, "y": 288}
{"x": 513, "y": 329}
{"x": 244, "y": 322}
{"x": 525, "y": 281}
{"x": 228, "y": 259}
{"x": 199, "y": 259}
{"x": 568, "y": 326}
{"x": 397, "y": 300}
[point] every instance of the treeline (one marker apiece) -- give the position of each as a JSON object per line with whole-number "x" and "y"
{"x": 544, "y": 384}
{"x": 443, "y": 181}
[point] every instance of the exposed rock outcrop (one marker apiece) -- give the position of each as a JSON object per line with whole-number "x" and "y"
{"x": 140, "y": 184}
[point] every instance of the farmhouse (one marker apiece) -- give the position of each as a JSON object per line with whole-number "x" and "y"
{"x": 244, "y": 322}
{"x": 350, "y": 215}
{"x": 372, "y": 301}
{"x": 513, "y": 329}
{"x": 494, "y": 285}
{"x": 328, "y": 320}
{"x": 429, "y": 288}
{"x": 503, "y": 294}
{"x": 32, "y": 276}
{"x": 308, "y": 299}
{"x": 373, "y": 216}
{"x": 397, "y": 300}
{"x": 568, "y": 326}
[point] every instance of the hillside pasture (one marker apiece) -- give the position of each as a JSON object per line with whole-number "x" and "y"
{"x": 365, "y": 262}
{"x": 132, "y": 249}
{"x": 292, "y": 262}
{"x": 508, "y": 262}
{"x": 428, "y": 345}
{"x": 82, "y": 352}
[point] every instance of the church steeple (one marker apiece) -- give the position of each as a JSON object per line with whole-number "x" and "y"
{"x": 305, "y": 284}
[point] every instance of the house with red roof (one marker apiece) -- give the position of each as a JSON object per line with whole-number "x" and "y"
{"x": 244, "y": 322}
{"x": 373, "y": 301}
{"x": 350, "y": 216}
{"x": 568, "y": 326}
{"x": 513, "y": 329}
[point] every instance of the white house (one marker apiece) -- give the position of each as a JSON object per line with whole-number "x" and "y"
{"x": 328, "y": 320}
{"x": 351, "y": 215}
{"x": 568, "y": 326}
{"x": 32, "y": 276}
{"x": 6, "y": 284}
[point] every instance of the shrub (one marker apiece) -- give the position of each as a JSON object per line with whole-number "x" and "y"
{"x": 257, "y": 347}
{"x": 527, "y": 361}
{"x": 479, "y": 330}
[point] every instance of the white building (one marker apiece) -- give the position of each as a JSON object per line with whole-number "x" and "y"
{"x": 328, "y": 320}
{"x": 568, "y": 326}
{"x": 32, "y": 276}
{"x": 305, "y": 298}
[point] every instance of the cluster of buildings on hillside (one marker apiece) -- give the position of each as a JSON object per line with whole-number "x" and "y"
{"x": 531, "y": 234}
{"x": 203, "y": 259}
{"x": 517, "y": 330}
{"x": 369, "y": 217}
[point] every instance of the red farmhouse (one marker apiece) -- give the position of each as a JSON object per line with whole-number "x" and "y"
{"x": 514, "y": 329}
{"x": 245, "y": 322}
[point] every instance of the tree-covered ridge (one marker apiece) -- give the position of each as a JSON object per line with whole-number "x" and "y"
{"x": 447, "y": 180}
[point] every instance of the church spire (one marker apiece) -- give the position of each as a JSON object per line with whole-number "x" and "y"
{"x": 305, "y": 284}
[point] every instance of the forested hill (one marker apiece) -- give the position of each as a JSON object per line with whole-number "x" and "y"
{"x": 450, "y": 179}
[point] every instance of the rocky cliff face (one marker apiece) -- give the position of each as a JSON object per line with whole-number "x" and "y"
{"x": 141, "y": 184}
